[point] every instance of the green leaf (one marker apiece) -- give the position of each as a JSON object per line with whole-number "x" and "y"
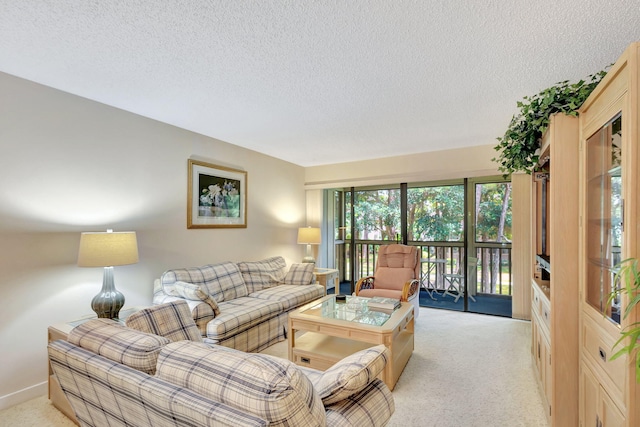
{"x": 627, "y": 277}
{"x": 517, "y": 147}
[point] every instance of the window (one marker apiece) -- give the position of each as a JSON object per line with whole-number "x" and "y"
{"x": 435, "y": 214}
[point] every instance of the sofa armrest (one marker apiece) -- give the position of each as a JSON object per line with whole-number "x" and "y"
{"x": 371, "y": 407}
{"x": 364, "y": 283}
{"x": 410, "y": 289}
{"x": 351, "y": 374}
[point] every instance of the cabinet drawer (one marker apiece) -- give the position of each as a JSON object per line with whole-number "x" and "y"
{"x": 312, "y": 361}
{"x": 535, "y": 299}
{"x": 599, "y": 350}
{"x": 539, "y": 301}
{"x": 541, "y": 309}
{"x": 545, "y": 313}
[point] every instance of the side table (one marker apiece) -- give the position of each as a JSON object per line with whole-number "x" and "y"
{"x": 61, "y": 331}
{"x": 328, "y": 278}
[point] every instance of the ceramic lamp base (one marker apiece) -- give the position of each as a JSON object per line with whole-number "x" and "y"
{"x": 109, "y": 301}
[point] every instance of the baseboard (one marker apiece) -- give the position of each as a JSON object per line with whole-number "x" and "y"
{"x": 23, "y": 395}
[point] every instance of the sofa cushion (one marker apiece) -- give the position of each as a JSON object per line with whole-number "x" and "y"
{"x": 263, "y": 274}
{"x": 171, "y": 320}
{"x": 268, "y": 387}
{"x": 385, "y": 293}
{"x": 257, "y": 338}
{"x": 239, "y": 315}
{"x": 222, "y": 281}
{"x": 290, "y": 296}
{"x": 392, "y": 278}
{"x": 299, "y": 274}
{"x": 352, "y": 374}
{"x": 192, "y": 292}
{"x": 110, "y": 339}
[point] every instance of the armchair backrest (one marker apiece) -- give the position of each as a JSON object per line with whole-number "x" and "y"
{"x": 396, "y": 264}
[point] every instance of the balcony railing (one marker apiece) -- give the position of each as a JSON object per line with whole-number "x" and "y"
{"x": 439, "y": 259}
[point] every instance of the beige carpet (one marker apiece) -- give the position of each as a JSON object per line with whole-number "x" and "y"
{"x": 467, "y": 370}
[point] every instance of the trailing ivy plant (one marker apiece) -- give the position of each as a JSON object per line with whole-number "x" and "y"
{"x": 518, "y": 145}
{"x": 628, "y": 276}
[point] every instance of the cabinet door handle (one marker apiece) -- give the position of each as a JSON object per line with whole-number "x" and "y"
{"x": 603, "y": 354}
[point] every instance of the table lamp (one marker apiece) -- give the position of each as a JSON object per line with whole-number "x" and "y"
{"x": 107, "y": 249}
{"x": 308, "y": 236}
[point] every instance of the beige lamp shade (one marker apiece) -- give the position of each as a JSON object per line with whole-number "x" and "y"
{"x": 309, "y": 236}
{"x": 105, "y": 249}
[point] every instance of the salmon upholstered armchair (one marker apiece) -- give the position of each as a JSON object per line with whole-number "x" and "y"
{"x": 397, "y": 276}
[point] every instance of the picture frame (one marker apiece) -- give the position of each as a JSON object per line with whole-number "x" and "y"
{"x": 216, "y": 196}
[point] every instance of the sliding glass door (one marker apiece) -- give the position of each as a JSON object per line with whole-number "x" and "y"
{"x": 462, "y": 229}
{"x": 489, "y": 278}
{"x": 435, "y": 221}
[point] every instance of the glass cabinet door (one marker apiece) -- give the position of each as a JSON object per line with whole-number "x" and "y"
{"x": 604, "y": 215}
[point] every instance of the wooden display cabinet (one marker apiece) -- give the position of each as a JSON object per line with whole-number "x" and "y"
{"x": 609, "y": 233}
{"x": 554, "y": 293}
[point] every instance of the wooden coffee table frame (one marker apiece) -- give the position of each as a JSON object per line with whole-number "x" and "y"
{"x": 326, "y": 341}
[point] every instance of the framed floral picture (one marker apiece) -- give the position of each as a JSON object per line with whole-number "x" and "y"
{"x": 217, "y": 196}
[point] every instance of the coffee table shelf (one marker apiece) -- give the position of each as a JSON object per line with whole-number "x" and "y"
{"x": 323, "y": 341}
{"x": 319, "y": 351}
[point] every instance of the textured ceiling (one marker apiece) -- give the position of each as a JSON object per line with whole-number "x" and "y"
{"x": 317, "y": 82}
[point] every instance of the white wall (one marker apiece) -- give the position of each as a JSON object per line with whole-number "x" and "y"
{"x": 69, "y": 165}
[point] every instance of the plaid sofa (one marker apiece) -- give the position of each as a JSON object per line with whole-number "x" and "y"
{"x": 115, "y": 375}
{"x": 241, "y": 305}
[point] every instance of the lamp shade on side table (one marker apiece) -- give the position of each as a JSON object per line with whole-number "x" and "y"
{"x": 108, "y": 249}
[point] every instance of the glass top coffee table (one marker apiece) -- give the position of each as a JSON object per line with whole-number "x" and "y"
{"x": 334, "y": 330}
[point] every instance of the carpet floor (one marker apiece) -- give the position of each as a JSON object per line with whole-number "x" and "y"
{"x": 467, "y": 370}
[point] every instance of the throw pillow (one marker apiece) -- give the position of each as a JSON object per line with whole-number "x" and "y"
{"x": 226, "y": 282}
{"x": 222, "y": 281}
{"x": 259, "y": 275}
{"x": 269, "y": 387}
{"x": 195, "y": 293}
{"x": 300, "y": 274}
{"x": 351, "y": 374}
{"x": 110, "y": 339}
{"x": 202, "y": 313}
{"x": 171, "y": 320}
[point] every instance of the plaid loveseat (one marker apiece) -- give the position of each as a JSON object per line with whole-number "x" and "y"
{"x": 115, "y": 375}
{"x": 241, "y": 305}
